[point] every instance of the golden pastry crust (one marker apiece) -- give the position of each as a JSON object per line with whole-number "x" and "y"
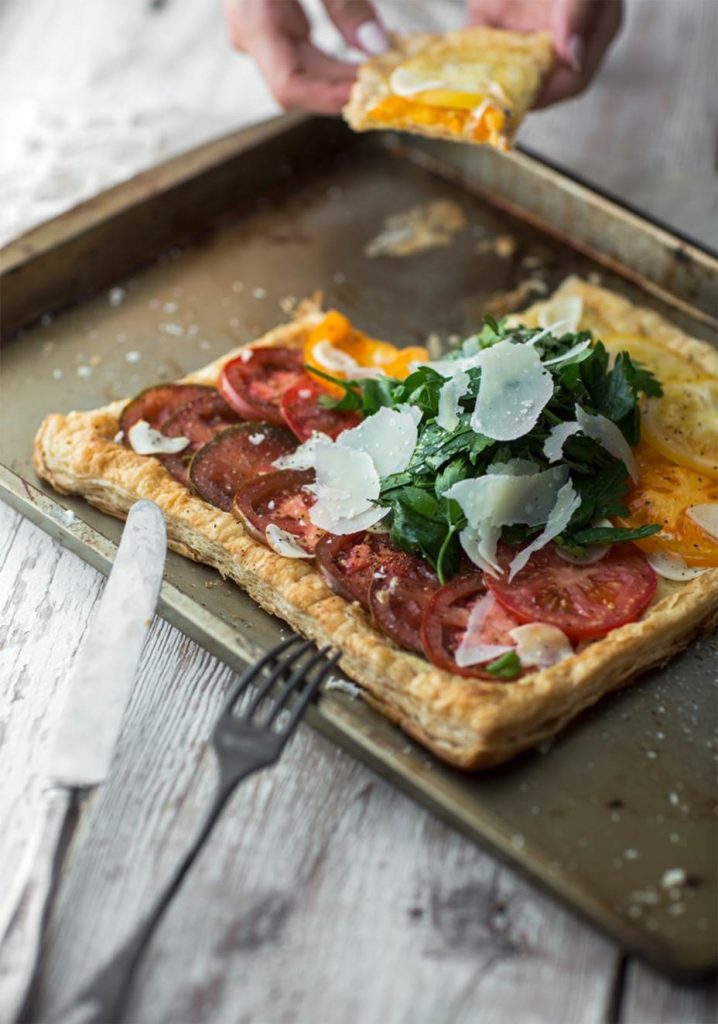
{"x": 468, "y": 723}
{"x": 529, "y": 55}
{"x": 607, "y": 313}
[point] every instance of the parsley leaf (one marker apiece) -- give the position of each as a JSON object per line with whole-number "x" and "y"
{"x": 508, "y": 666}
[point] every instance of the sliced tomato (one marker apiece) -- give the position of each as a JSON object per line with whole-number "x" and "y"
{"x": 664, "y": 362}
{"x": 200, "y": 421}
{"x": 155, "y": 405}
{"x": 397, "y": 600}
{"x": 585, "y": 601}
{"x": 662, "y": 495}
{"x": 445, "y": 619}
{"x": 683, "y": 424}
{"x": 254, "y": 382}
{"x": 350, "y": 564}
{"x": 304, "y": 414}
{"x": 282, "y": 498}
{"x": 236, "y": 456}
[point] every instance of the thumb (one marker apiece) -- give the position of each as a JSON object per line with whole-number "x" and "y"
{"x": 570, "y": 22}
{"x": 359, "y": 25}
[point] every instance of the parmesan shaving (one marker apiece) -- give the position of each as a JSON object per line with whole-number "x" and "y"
{"x": 145, "y": 440}
{"x": 608, "y": 435}
{"x": 567, "y": 501}
{"x": 541, "y": 645}
{"x": 450, "y": 396}
{"x": 705, "y": 516}
{"x": 284, "y": 542}
{"x": 472, "y": 650}
{"x": 513, "y": 391}
{"x": 562, "y": 314}
{"x": 349, "y": 470}
{"x": 346, "y": 485}
{"x": 503, "y": 499}
{"x": 672, "y": 567}
{"x": 569, "y": 355}
{"x": 557, "y": 438}
{"x": 388, "y": 437}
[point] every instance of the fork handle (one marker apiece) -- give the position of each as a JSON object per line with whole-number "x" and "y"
{"x": 25, "y": 910}
{"x": 104, "y": 997}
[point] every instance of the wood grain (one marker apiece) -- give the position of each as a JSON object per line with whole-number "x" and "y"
{"x": 321, "y": 887}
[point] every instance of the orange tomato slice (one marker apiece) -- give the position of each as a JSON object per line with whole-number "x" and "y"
{"x": 683, "y": 424}
{"x": 337, "y": 348}
{"x": 662, "y": 495}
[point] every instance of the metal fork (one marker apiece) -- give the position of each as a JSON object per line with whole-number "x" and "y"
{"x": 242, "y": 743}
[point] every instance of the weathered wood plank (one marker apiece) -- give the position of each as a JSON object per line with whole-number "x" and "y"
{"x": 647, "y": 998}
{"x": 321, "y": 887}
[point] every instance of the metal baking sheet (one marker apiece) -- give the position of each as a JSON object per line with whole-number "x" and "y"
{"x": 162, "y": 274}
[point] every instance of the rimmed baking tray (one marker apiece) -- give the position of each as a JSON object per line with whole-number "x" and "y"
{"x": 160, "y": 275}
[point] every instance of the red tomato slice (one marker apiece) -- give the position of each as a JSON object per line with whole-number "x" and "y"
{"x": 200, "y": 421}
{"x": 445, "y": 619}
{"x": 397, "y": 600}
{"x": 351, "y": 564}
{"x": 304, "y": 415}
{"x": 281, "y": 498}
{"x": 254, "y": 382}
{"x": 155, "y": 405}
{"x": 585, "y": 601}
{"x": 235, "y": 457}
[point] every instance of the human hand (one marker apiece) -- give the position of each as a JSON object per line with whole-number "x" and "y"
{"x": 275, "y": 33}
{"x": 582, "y": 31}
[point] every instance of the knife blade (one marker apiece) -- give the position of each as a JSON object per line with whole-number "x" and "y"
{"x": 85, "y": 738}
{"x": 97, "y": 695}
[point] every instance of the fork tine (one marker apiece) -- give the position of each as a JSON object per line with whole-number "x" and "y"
{"x": 283, "y": 666}
{"x": 306, "y": 695}
{"x": 294, "y": 683}
{"x": 253, "y": 671}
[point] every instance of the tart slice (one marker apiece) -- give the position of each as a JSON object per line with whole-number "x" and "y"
{"x": 472, "y": 85}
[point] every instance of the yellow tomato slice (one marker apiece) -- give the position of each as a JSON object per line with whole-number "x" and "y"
{"x": 683, "y": 424}
{"x": 666, "y": 364}
{"x": 662, "y": 495}
{"x": 336, "y": 348}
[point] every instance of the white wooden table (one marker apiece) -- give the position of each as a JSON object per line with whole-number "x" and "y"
{"x": 324, "y": 894}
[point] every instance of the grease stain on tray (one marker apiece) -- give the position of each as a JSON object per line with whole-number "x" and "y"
{"x": 427, "y": 226}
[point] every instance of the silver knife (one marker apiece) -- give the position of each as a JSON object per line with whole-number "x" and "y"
{"x": 81, "y": 753}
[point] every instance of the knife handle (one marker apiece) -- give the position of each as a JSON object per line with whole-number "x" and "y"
{"x": 22, "y": 917}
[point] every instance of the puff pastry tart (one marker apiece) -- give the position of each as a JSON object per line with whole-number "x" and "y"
{"x": 472, "y": 85}
{"x": 486, "y": 537}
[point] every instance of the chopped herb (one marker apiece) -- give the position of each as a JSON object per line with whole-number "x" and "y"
{"x": 508, "y": 666}
{"x": 425, "y": 523}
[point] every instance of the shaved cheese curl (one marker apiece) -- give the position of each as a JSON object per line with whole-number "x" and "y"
{"x": 450, "y": 396}
{"x": 557, "y": 438}
{"x": 513, "y": 391}
{"x": 471, "y": 650}
{"x": 608, "y": 435}
{"x": 541, "y": 645}
{"x": 567, "y": 501}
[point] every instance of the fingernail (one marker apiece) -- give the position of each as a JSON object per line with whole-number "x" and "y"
{"x": 575, "y": 51}
{"x": 372, "y": 38}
